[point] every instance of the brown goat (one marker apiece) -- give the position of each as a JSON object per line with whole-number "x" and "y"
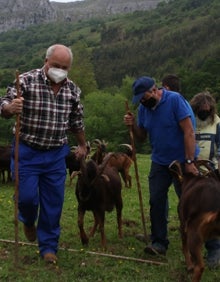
{"x": 98, "y": 189}
{"x": 122, "y": 161}
{"x": 199, "y": 213}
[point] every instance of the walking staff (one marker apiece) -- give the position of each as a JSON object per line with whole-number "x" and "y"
{"x": 137, "y": 175}
{"x": 17, "y": 128}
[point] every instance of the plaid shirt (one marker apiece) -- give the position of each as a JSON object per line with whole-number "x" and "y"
{"x": 46, "y": 117}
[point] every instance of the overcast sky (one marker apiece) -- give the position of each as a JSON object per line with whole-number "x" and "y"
{"x": 64, "y": 1}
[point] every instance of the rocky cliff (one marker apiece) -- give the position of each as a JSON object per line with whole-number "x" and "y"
{"x": 19, "y": 14}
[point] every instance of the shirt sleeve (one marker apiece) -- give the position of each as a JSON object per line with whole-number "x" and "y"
{"x": 9, "y": 96}
{"x": 76, "y": 123}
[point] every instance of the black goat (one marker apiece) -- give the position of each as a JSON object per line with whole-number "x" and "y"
{"x": 72, "y": 163}
{"x": 98, "y": 189}
{"x": 5, "y": 161}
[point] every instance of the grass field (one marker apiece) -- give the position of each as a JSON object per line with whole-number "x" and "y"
{"x": 124, "y": 259}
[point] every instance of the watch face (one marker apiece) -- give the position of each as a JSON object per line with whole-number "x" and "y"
{"x": 189, "y": 161}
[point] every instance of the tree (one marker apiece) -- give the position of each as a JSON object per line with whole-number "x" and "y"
{"x": 82, "y": 71}
{"x": 104, "y": 118}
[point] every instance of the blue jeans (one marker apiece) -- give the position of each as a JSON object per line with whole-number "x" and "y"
{"x": 212, "y": 246}
{"x": 160, "y": 179}
{"x": 42, "y": 177}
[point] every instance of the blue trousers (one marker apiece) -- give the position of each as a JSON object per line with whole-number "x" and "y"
{"x": 42, "y": 177}
{"x": 160, "y": 179}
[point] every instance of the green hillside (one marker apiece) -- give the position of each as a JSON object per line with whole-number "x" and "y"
{"x": 182, "y": 36}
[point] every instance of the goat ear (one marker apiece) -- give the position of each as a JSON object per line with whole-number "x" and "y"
{"x": 176, "y": 170}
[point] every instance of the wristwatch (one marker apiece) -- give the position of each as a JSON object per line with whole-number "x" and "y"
{"x": 188, "y": 161}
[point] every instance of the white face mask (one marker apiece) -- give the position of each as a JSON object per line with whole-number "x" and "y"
{"x": 57, "y": 75}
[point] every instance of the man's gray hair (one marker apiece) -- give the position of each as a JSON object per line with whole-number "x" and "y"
{"x": 51, "y": 49}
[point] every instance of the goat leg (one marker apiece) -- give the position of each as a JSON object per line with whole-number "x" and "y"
{"x": 123, "y": 176}
{"x": 186, "y": 253}
{"x": 96, "y": 223}
{"x": 185, "y": 249}
{"x": 119, "y": 218}
{"x": 195, "y": 244}
{"x": 127, "y": 178}
{"x": 84, "y": 238}
{"x": 129, "y": 181}
{"x": 102, "y": 230}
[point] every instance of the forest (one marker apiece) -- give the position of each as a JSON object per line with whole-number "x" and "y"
{"x": 181, "y": 37}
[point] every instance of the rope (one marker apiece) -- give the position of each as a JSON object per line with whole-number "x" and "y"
{"x": 92, "y": 253}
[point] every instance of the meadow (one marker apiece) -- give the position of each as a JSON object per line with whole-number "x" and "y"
{"x": 123, "y": 261}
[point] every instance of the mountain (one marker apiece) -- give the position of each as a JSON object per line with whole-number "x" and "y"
{"x": 178, "y": 36}
{"x": 19, "y": 14}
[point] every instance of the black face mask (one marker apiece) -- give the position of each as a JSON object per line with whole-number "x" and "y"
{"x": 149, "y": 103}
{"x": 203, "y": 115}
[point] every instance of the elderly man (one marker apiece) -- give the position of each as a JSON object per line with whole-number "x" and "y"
{"x": 49, "y": 106}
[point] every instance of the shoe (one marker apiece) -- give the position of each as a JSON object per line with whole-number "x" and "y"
{"x": 50, "y": 258}
{"x": 155, "y": 249}
{"x": 213, "y": 259}
{"x": 30, "y": 233}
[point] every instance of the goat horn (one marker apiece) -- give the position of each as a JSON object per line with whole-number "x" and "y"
{"x": 127, "y": 145}
{"x": 104, "y": 143}
{"x": 97, "y": 141}
{"x": 88, "y": 144}
{"x": 206, "y": 164}
{"x": 175, "y": 168}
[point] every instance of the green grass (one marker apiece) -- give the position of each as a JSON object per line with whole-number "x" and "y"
{"x": 77, "y": 263}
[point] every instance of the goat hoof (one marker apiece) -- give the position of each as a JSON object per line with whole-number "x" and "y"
{"x": 85, "y": 242}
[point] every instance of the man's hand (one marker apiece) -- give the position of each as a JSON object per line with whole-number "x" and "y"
{"x": 15, "y": 107}
{"x": 191, "y": 168}
{"x": 129, "y": 119}
{"x": 81, "y": 152}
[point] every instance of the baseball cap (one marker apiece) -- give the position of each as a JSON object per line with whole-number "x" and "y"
{"x": 140, "y": 86}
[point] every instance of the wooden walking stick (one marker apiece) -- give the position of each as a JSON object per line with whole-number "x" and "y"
{"x": 17, "y": 129}
{"x": 137, "y": 175}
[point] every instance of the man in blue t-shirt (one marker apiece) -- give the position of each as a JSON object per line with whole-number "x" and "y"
{"x": 164, "y": 117}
